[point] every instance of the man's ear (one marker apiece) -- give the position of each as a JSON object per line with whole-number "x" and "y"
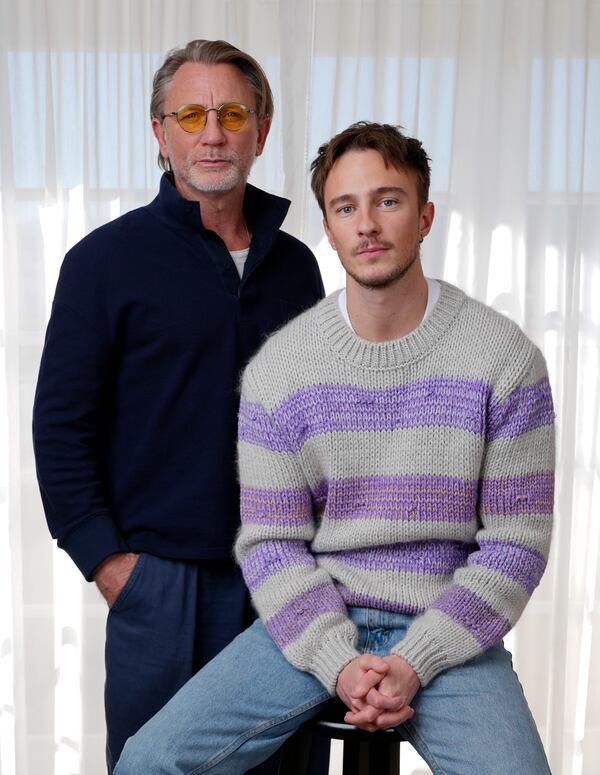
{"x": 426, "y": 219}
{"x": 263, "y": 131}
{"x": 160, "y": 134}
{"x": 328, "y": 234}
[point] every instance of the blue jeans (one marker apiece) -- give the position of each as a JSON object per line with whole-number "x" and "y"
{"x": 470, "y": 720}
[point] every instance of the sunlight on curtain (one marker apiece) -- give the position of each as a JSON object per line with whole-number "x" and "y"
{"x": 7, "y": 664}
{"x": 67, "y": 666}
{"x": 505, "y": 96}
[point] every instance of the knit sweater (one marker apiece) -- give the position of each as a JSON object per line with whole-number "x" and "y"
{"x": 413, "y": 476}
{"x": 135, "y": 413}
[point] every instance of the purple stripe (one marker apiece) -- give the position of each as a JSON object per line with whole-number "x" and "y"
{"x": 527, "y": 494}
{"x": 273, "y": 557}
{"x": 319, "y": 409}
{"x": 290, "y": 622}
{"x": 285, "y": 508}
{"x": 474, "y": 614}
{"x": 525, "y": 409}
{"x": 435, "y": 558}
{"x": 370, "y": 601}
{"x": 525, "y": 566}
{"x": 412, "y": 498}
{"x": 255, "y": 426}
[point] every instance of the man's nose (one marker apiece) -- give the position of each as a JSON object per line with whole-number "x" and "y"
{"x": 213, "y": 133}
{"x": 367, "y": 223}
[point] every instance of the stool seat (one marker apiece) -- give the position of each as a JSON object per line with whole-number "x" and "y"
{"x": 365, "y": 753}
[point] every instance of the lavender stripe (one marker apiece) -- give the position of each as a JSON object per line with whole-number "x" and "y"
{"x": 527, "y": 494}
{"x": 525, "y": 409}
{"x": 436, "y": 558}
{"x": 285, "y": 508}
{"x": 271, "y": 558}
{"x": 290, "y": 622}
{"x": 407, "y": 497}
{"x": 255, "y": 426}
{"x": 523, "y": 565}
{"x": 319, "y": 409}
{"x": 351, "y": 598}
{"x": 474, "y": 614}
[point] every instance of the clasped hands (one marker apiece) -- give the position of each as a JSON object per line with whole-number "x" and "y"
{"x": 377, "y": 691}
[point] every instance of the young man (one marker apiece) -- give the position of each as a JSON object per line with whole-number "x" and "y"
{"x": 135, "y": 417}
{"x": 396, "y": 465}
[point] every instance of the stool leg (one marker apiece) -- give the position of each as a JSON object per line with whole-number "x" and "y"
{"x": 384, "y": 758}
{"x": 364, "y": 758}
{"x": 353, "y": 759}
{"x": 305, "y": 754}
{"x": 295, "y": 753}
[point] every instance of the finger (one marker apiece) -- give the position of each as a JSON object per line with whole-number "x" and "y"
{"x": 356, "y": 704}
{"x": 366, "y": 682}
{"x": 389, "y": 720}
{"x": 356, "y": 721}
{"x": 383, "y": 701}
{"x": 371, "y": 662}
{"x": 366, "y": 715}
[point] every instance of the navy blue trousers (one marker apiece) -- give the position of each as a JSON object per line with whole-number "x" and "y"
{"x": 170, "y": 619}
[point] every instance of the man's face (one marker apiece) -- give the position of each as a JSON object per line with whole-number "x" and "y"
{"x": 373, "y": 219}
{"x": 214, "y": 159}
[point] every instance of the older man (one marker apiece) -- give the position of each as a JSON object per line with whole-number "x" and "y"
{"x": 154, "y": 317}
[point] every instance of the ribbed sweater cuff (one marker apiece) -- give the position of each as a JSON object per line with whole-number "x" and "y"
{"x": 92, "y": 542}
{"x": 422, "y": 652}
{"x": 330, "y": 660}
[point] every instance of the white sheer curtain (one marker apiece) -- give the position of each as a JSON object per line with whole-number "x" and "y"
{"x": 505, "y": 95}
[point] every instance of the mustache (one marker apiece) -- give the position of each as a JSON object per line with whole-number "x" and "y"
{"x": 370, "y": 245}
{"x": 216, "y": 156}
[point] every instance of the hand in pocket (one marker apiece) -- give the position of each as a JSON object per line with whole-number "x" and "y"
{"x": 112, "y": 575}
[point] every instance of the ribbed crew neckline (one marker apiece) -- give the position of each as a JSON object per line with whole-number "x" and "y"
{"x": 388, "y": 355}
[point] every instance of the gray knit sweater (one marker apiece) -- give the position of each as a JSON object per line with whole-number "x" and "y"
{"x": 413, "y": 476}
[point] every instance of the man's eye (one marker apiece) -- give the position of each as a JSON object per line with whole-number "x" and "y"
{"x": 345, "y": 210}
{"x": 388, "y": 202}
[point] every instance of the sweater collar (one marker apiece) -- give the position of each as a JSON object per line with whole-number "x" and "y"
{"x": 264, "y": 212}
{"x": 388, "y": 355}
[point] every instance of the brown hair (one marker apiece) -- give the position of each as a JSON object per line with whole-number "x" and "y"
{"x": 210, "y": 52}
{"x": 397, "y": 150}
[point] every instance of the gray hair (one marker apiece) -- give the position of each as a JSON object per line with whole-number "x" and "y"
{"x": 210, "y": 52}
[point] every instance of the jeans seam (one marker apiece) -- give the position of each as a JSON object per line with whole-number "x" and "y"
{"x": 412, "y": 736}
{"x": 258, "y": 730}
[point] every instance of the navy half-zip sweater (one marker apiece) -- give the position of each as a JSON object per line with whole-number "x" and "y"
{"x": 135, "y": 413}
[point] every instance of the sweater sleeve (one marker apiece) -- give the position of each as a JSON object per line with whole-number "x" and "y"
{"x": 297, "y": 600}
{"x": 66, "y": 429}
{"x": 515, "y": 506}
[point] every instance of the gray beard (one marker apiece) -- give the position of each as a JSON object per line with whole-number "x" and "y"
{"x": 232, "y": 178}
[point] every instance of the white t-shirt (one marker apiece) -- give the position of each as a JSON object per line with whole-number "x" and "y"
{"x": 239, "y": 259}
{"x": 433, "y": 294}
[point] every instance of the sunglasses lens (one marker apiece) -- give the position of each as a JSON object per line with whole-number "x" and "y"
{"x": 191, "y": 118}
{"x": 233, "y": 116}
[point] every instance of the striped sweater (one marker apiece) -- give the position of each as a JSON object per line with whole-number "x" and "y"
{"x": 413, "y": 476}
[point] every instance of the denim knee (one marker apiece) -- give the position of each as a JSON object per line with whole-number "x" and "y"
{"x": 135, "y": 760}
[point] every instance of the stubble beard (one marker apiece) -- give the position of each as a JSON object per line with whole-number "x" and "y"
{"x": 395, "y": 274}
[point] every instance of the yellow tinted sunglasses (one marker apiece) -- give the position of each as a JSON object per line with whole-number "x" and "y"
{"x": 192, "y": 118}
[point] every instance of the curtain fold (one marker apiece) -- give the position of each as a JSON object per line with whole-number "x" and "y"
{"x": 505, "y": 96}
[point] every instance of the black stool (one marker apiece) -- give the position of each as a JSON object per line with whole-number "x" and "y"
{"x": 365, "y": 753}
